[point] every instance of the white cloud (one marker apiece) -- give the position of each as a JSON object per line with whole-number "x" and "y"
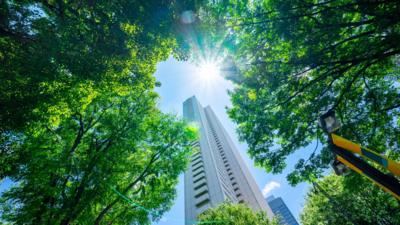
{"x": 269, "y": 187}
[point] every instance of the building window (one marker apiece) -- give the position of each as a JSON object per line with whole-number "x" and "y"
{"x": 196, "y": 158}
{"x": 202, "y": 203}
{"x": 197, "y": 168}
{"x": 198, "y": 174}
{"x": 200, "y": 186}
{"x": 196, "y": 155}
{"x": 201, "y": 194}
{"x": 199, "y": 179}
{"x": 197, "y": 163}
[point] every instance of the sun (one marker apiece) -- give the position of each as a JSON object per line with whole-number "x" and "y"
{"x": 209, "y": 71}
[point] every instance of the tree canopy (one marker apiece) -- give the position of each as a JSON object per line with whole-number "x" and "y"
{"x": 66, "y": 174}
{"x": 298, "y": 59}
{"x": 350, "y": 200}
{"x": 48, "y": 47}
{"x": 234, "y": 214}
{"x": 81, "y": 137}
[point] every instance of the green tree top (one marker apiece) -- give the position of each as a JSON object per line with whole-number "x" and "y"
{"x": 351, "y": 200}
{"x": 49, "y": 47}
{"x": 66, "y": 174}
{"x": 234, "y": 214}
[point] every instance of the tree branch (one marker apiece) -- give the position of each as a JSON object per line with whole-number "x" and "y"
{"x": 78, "y": 137}
{"x": 316, "y": 80}
{"x": 141, "y": 176}
{"x": 390, "y": 108}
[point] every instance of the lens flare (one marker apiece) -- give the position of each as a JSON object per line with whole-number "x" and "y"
{"x": 209, "y": 71}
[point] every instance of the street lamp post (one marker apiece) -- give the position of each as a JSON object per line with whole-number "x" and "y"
{"x": 345, "y": 158}
{"x": 330, "y": 124}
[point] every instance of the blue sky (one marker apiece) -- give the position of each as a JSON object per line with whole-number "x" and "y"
{"x": 181, "y": 80}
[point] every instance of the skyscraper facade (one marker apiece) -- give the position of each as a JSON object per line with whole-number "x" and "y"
{"x": 216, "y": 173}
{"x": 280, "y": 209}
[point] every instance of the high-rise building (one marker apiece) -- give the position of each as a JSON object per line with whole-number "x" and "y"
{"x": 217, "y": 173}
{"x": 280, "y": 209}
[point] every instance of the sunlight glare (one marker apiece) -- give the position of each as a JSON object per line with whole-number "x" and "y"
{"x": 209, "y": 71}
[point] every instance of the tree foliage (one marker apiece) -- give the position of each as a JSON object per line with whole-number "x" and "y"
{"x": 300, "y": 58}
{"x": 48, "y": 47}
{"x": 234, "y": 214}
{"x": 352, "y": 200}
{"x": 65, "y": 174}
{"x": 78, "y": 118}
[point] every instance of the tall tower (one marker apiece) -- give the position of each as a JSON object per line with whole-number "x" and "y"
{"x": 216, "y": 173}
{"x": 280, "y": 209}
